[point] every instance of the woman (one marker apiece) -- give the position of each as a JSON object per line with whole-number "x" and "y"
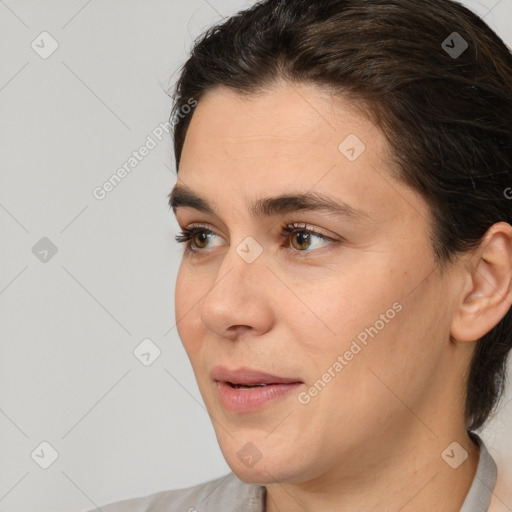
{"x": 344, "y": 294}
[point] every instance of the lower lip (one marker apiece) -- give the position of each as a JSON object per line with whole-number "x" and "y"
{"x": 246, "y": 400}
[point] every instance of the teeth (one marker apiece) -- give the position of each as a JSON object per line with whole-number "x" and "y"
{"x": 242, "y": 386}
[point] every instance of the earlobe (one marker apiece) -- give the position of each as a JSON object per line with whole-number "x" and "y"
{"x": 487, "y": 294}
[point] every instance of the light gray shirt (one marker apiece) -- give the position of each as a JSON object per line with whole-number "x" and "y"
{"x": 229, "y": 494}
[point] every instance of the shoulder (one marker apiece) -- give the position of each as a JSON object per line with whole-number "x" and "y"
{"x": 225, "y": 493}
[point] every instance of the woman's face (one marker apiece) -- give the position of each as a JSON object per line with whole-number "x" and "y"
{"x": 350, "y": 324}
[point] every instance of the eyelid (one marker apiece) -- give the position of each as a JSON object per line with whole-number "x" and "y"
{"x": 284, "y": 225}
{"x": 286, "y": 230}
{"x": 303, "y": 226}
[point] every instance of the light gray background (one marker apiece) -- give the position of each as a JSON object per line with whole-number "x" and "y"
{"x": 68, "y": 327}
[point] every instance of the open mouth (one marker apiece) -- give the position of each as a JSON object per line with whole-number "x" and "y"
{"x": 243, "y": 390}
{"x": 247, "y": 386}
{"x": 245, "y": 398}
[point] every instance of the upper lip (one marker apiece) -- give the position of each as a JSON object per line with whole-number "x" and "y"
{"x": 246, "y": 376}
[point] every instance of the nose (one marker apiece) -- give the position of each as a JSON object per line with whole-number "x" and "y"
{"x": 239, "y": 300}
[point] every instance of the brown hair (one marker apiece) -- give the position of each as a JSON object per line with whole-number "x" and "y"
{"x": 446, "y": 110}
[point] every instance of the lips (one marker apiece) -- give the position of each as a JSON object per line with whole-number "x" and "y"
{"x": 249, "y": 378}
{"x": 246, "y": 390}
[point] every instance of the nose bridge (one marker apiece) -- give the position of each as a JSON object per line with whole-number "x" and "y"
{"x": 241, "y": 268}
{"x": 237, "y": 297}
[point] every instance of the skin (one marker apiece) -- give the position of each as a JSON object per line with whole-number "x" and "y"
{"x": 372, "y": 439}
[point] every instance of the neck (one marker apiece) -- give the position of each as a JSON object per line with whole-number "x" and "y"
{"x": 408, "y": 475}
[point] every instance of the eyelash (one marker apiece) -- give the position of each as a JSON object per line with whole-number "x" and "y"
{"x": 187, "y": 234}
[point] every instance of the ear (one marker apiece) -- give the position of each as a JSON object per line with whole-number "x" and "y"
{"x": 487, "y": 294}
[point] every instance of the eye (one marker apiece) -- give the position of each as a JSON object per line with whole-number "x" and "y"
{"x": 303, "y": 236}
{"x": 300, "y": 237}
{"x": 193, "y": 233}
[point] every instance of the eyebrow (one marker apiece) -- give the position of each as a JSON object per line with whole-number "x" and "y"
{"x": 183, "y": 197}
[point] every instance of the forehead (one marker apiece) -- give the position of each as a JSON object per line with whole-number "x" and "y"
{"x": 278, "y": 118}
{"x": 286, "y": 128}
{"x": 290, "y": 138}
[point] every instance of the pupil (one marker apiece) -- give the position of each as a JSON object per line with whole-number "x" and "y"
{"x": 302, "y": 238}
{"x": 203, "y": 237}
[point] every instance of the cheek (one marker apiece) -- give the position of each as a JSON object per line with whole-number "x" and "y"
{"x": 391, "y": 368}
{"x": 181, "y": 298}
{"x": 403, "y": 352}
{"x": 187, "y": 296}
{"x": 369, "y": 317}
{"x": 351, "y": 298}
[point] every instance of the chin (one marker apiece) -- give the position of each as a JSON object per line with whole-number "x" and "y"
{"x": 262, "y": 465}
{"x": 260, "y": 474}
{"x": 252, "y": 476}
